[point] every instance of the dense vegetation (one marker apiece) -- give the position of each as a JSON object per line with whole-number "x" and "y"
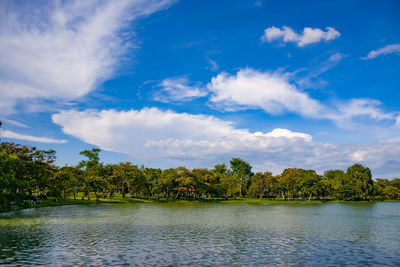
{"x": 28, "y": 174}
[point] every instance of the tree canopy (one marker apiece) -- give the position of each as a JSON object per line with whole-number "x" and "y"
{"x": 27, "y": 173}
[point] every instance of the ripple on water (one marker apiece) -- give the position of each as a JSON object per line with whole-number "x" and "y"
{"x": 200, "y": 235}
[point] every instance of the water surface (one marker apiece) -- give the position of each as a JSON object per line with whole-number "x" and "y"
{"x": 233, "y": 234}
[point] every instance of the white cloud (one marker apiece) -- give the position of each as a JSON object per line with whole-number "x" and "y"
{"x": 179, "y": 89}
{"x": 363, "y": 107}
{"x": 153, "y": 135}
{"x": 389, "y": 49}
{"x": 397, "y": 121}
{"x": 309, "y": 35}
{"x": 14, "y": 135}
{"x": 272, "y": 92}
{"x": 15, "y": 123}
{"x": 60, "y": 50}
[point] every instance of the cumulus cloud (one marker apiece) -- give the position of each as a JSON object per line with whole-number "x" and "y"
{"x": 179, "y": 89}
{"x": 309, "y": 35}
{"x": 273, "y": 92}
{"x": 61, "y": 50}
{"x": 152, "y": 135}
{"x": 14, "y": 135}
{"x": 389, "y": 49}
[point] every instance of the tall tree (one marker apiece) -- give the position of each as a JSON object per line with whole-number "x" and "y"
{"x": 241, "y": 171}
{"x": 91, "y": 172}
{"x": 361, "y": 180}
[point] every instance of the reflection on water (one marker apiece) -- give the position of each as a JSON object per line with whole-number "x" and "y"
{"x": 203, "y": 234}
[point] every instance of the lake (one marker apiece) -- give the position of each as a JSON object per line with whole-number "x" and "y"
{"x": 206, "y": 234}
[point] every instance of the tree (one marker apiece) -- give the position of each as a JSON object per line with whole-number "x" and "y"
{"x": 361, "y": 180}
{"x": 151, "y": 177}
{"x": 339, "y": 184}
{"x": 391, "y": 192}
{"x": 289, "y": 182}
{"x": 60, "y": 181}
{"x": 261, "y": 183}
{"x": 241, "y": 171}
{"x": 121, "y": 176}
{"x": 220, "y": 176}
{"x": 168, "y": 183}
{"x": 186, "y": 183}
{"x": 310, "y": 183}
{"x": 91, "y": 172}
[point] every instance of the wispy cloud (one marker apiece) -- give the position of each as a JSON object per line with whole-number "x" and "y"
{"x": 309, "y": 35}
{"x": 312, "y": 79}
{"x": 61, "y": 50}
{"x": 14, "y": 135}
{"x": 389, "y": 49}
{"x": 213, "y": 65}
{"x": 179, "y": 89}
{"x": 15, "y": 123}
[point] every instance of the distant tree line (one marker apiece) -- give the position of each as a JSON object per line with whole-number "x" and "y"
{"x": 28, "y": 173}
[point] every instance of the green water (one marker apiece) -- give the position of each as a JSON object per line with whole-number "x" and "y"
{"x": 230, "y": 234}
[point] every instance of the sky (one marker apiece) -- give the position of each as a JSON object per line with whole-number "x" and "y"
{"x": 165, "y": 83}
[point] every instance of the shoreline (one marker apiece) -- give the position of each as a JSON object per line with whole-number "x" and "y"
{"x": 68, "y": 202}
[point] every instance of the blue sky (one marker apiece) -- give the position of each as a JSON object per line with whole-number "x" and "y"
{"x": 309, "y": 84}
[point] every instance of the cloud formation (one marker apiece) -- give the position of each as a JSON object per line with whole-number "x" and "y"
{"x": 153, "y": 135}
{"x": 272, "y": 92}
{"x": 61, "y": 50}
{"x": 179, "y": 89}
{"x": 309, "y": 35}
{"x": 15, "y": 123}
{"x": 389, "y": 49}
{"x": 14, "y": 135}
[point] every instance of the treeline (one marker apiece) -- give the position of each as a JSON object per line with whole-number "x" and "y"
{"x": 27, "y": 173}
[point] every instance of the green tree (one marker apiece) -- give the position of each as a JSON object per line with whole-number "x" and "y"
{"x": 168, "y": 184}
{"x": 340, "y": 185}
{"x": 241, "y": 171}
{"x": 391, "y": 192}
{"x": 361, "y": 180}
{"x": 91, "y": 172}
{"x": 151, "y": 177}
{"x": 310, "y": 183}
{"x": 121, "y": 176}
{"x": 261, "y": 183}
{"x": 289, "y": 182}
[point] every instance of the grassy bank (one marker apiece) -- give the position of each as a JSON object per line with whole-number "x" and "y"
{"x": 128, "y": 200}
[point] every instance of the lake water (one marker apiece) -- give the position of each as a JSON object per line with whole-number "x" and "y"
{"x": 231, "y": 234}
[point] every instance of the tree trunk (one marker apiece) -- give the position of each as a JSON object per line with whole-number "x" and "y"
{"x": 262, "y": 194}
{"x": 309, "y": 198}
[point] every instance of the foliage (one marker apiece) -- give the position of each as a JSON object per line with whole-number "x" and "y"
{"x": 28, "y": 175}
